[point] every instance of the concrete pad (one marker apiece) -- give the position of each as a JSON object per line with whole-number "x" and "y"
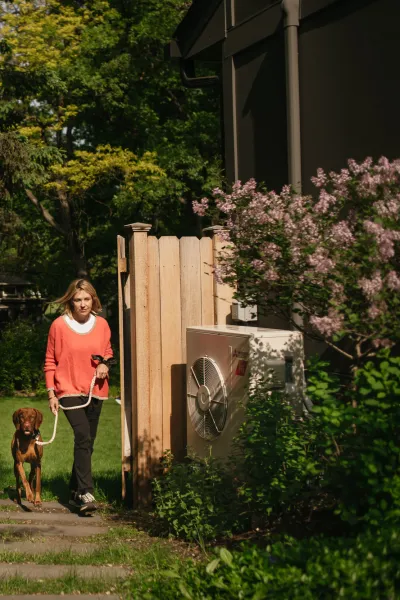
{"x": 65, "y": 597}
{"x": 51, "y": 530}
{"x": 43, "y": 547}
{"x": 37, "y": 572}
{"x": 50, "y": 517}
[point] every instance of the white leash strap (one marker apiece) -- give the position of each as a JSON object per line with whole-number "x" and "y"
{"x": 69, "y": 408}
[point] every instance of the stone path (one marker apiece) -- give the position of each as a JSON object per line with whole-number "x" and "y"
{"x": 52, "y": 528}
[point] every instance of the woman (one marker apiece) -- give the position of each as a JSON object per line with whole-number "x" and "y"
{"x": 69, "y": 368}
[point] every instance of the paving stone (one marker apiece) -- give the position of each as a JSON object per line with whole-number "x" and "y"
{"x": 30, "y": 571}
{"x": 49, "y": 517}
{"x": 77, "y": 530}
{"x": 42, "y": 547}
{"x": 29, "y": 507}
{"x": 64, "y": 597}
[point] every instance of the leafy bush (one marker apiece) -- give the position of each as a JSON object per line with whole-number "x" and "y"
{"x": 359, "y": 439}
{"x": 276, "y": 454}
{"x": 197, "y": 501}
{"x": 334, "y": 256}
{"x": 22, "y": 350}
{"x": 366, "y": 567}
{"x": 346, "y": 456}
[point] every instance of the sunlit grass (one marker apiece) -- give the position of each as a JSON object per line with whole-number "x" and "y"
{"x": 66, "y": 585}
{"x": 144, "y": 556}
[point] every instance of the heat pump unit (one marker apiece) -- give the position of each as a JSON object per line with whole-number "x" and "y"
{"x": 223, "y": 363}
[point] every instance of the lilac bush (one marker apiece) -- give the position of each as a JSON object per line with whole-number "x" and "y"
{"x": 332, "y": 257}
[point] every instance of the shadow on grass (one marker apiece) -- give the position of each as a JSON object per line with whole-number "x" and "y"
{"x": 8, "y": 480}
{"x": 108, "y": 487}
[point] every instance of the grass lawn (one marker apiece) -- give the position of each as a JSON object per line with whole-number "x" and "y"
{"x": 129, "y": 542}
{"x": 58, "y": 456}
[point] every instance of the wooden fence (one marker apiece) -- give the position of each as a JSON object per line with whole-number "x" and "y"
{"x": 165, "y": 284}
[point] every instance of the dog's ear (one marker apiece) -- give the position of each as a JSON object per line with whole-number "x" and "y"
{"x": 38, "y": 419}
{"x": 15, "y": 418}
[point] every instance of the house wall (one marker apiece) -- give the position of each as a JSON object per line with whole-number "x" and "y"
{"x": 261, "y": 112}
{"x": 243, "y": 9}
{"x": 349, "y": 84}
{"x": 349, "y": 87}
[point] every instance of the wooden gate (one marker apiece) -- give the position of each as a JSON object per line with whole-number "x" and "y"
{"x": 165, "y": 285}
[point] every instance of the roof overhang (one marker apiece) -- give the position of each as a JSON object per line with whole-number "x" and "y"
{"x": 201, "y": 32}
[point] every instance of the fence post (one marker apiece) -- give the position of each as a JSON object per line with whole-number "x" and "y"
{"x": 140, "y": 360}
{"x": 223, "y": 293}
{"x": 125, "y": 367}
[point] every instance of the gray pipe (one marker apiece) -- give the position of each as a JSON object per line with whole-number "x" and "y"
{"x": 291, "y": 9}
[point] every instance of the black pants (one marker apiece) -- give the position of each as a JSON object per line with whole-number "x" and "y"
{"x": 84, "y": 422}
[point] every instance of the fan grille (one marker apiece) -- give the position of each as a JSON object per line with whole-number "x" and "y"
{"x": 207, "y": 399}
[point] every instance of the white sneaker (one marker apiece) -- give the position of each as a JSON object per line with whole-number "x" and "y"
{"x": 85, "y": 502}
{"x": 89, "y": 497}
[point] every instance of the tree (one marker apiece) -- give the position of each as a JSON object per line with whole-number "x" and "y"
{"x": 85, "y": 88}
{"x": 333, "y": 258}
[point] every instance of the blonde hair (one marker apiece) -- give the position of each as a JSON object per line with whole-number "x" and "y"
{"x": 75, "y": 286}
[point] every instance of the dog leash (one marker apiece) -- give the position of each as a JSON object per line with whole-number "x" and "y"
{"x": 68, "y": 408}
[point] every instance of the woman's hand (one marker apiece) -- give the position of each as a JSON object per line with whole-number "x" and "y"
{"x": 53, "y": 404}
{"x": 101, "y": 371}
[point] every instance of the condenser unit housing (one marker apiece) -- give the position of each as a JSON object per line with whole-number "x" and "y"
{"x": 223, "y": 363}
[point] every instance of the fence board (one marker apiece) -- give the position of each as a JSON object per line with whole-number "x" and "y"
{"x": 126, "y": 298}
{"x": 141, "y": 434}
{"x": 207, "y": 281}
{"x": 190, "y": 286}
{"x": 169, "y": 286}
{"x": 125, "y": 414}
{"x": 156, "y": 392}
{"x": 171, "y": 344}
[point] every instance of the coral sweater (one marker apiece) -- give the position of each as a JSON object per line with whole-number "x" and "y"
{"x": 68, "y": 366}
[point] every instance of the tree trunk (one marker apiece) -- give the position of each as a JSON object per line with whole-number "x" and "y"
{"x": 74, "y": 244}
{"x": 66, "y": 229}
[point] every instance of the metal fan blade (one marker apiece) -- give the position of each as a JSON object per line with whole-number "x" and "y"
{"x": 215, "y": 425}
{"x": 195, "y": 378}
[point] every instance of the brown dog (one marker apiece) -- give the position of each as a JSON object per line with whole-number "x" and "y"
{"x": 24, "y": 449}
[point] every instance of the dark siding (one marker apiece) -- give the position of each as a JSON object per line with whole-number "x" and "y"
{"x": 261, "y": 112}
{"x": 350, "y": 85}
{"x": 247, "y": 8}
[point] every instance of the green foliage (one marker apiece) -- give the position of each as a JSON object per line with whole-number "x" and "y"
{"x": 344, "y": 457}
{"x": 276, "y": 454}
{"x": 98, "y": 128}
{"x": 366, "y": 567}
{"x": 22, "y": 350}
{"x": 360, "y": 443}
{"x": 197, "y": 501}
{"x": 330, "y": 258}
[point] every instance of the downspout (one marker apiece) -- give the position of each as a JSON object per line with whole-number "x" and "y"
{"x": 291, "y": 9}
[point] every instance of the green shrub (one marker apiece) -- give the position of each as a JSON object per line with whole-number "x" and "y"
{"x": 366, "y": 567}
{"x": 22, "y": 351}
{"x": 347, "y": 457}
{"x": 359, "y": 438}
{"x": 197, "y": 501}
{"x": 276, "y": 454}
